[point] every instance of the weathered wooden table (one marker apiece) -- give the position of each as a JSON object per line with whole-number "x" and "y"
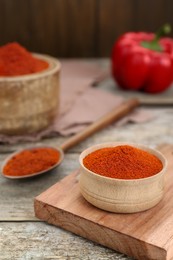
{"x": 22, "y": 236}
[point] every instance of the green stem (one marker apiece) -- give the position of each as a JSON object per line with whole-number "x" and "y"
{"x": 162, "y": 31}
{"x": 154, "y": 44}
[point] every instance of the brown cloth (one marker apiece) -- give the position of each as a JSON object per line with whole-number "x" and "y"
{"x": 81, "y": 103}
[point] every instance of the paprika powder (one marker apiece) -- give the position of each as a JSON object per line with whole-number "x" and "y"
{"x": 123, "y": 162}
{"x": 28, "y": 162}
{"x": 15, "y": 60}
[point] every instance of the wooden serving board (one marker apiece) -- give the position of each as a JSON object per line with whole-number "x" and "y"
{"x": 144, "y": 235}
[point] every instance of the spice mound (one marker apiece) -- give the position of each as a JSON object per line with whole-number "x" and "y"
{"x": 123, "y": 162}
{"x": 15, "y": 60}
{"x": 31, "y": 161}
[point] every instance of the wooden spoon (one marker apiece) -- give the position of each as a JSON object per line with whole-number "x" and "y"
{"x": 104, "y": 121}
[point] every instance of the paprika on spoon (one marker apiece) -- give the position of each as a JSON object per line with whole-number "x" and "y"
{"x": 104, "y": 121}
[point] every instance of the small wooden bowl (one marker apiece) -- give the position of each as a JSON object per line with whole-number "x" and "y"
{"x": 29, "y": 103}
{"x": 119, "y": 195}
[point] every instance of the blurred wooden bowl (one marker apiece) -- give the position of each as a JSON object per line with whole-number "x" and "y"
{"x": 121, "y": 195}
{"x": 29, "y": 103}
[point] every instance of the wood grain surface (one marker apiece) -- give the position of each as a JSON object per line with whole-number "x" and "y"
{"x": 29, "y": 237}
{"x": 78, "y": 28}
{"x": 16, "y": 203}
{"x": 144, "y": 235}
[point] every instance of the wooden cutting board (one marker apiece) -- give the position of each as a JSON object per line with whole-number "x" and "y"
{"x": 144, "y": 235}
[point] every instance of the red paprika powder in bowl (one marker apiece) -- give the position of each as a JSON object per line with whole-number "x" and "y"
{"x": 122, "y": 177}
{"x": 29, "y": 87}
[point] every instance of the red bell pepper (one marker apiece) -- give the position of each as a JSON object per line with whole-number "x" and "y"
{"x": 143, "y": 61}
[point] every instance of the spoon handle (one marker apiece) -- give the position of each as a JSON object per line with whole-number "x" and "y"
{"x": 104, "y": 121}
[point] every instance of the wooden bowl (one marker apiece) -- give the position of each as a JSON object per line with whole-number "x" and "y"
{"x": 119, "y": 195}
{"x": 29, "y": 103}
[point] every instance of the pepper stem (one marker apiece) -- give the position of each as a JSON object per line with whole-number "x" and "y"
{"x": 162, "y": 31}
{"x": 154, "y": 44}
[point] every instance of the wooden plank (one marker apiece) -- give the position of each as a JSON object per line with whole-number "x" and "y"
{"x": 60, "y": 28}
{"x": 39, "y": 241}
{"x": 114, "y": 18}
{"x": 78, "y": 28}
{"x": 144, "y": 235}
{"x": 146, "y": 22}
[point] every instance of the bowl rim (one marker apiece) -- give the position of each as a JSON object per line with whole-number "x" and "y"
{"x": 54, "y": 65}
{"x": 153, "y": 151}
